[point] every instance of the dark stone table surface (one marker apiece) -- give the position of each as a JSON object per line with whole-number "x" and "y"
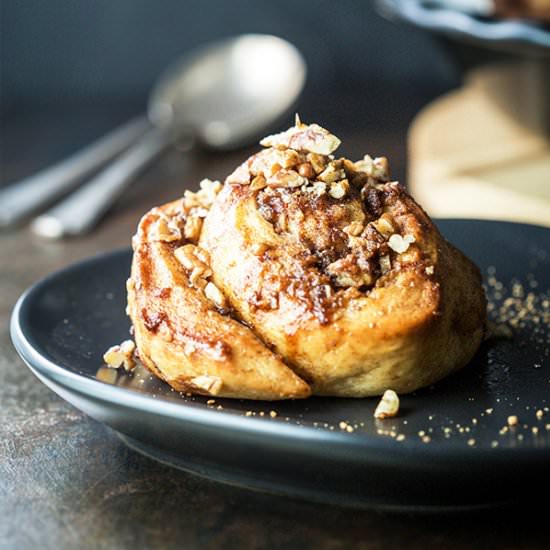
{"x": 67, "y": 481}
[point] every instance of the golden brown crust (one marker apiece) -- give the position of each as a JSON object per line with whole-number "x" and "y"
{"x": 406, "y": 331}
{"x": 318, "y": 262}
{"x": 182, "y": 337}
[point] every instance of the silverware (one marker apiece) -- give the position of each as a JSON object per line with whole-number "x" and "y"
{"x": 221, "y": 96}
{"x": 20, "y": 199}
{"x": 83, "y": 208}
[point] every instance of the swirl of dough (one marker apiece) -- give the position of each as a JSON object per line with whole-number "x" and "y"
{"x": 303, "y": 273}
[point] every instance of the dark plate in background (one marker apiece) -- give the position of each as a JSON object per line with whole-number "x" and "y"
{"x": 448, "y": 449}
{"x": 519, "y": 36}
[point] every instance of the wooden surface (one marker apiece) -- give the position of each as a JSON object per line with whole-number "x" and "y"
{"x": 67, "y": 481}
{"x": 483, "y": 151}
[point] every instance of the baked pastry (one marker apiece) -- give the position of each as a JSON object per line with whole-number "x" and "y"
{"x": 302, "y": 274}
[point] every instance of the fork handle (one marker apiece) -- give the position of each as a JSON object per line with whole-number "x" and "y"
{"x": 20, "y": 199}
{"x": 80, "y": 211}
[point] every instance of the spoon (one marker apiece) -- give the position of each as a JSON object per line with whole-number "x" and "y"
{"x": 221, "y": 96}
{"x": 20, "y": 199}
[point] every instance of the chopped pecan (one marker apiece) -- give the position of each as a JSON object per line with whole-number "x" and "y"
{"x": 385, "y": 264}
{"x": 381, "y": 169}
{"x": 384, "y": 225}
{"x": 388, "y": 406}
{"x": 121, "y": 355}
{"x": 240, "y": 176}
{"x": 400, "y": 244}
{"x": 192, "y": 228}
{"x": 258, "y": 183}
{"x": 354, "y": 229}
{"x": 271, "y": 160}
{"x": 310, "y": 138}
{"x": 196, "y": 261}
{"x": 306, "y": 170}
{"x": 339, "y": 189}
{"x": 166, "y": 229}
{"x": 214, "y": 294}
{"x": 378, "y": 168}
{"x": 346, "y": 272}
{"x": 203, "y": 198}
{"x": 286, "y": 178}
{"x": 318, "y": 162}
{"x": 318, "y": 188}
{"x": 333, "y": 172}
{"x": 365, "y": 165}
{"x": 348, "y": 166}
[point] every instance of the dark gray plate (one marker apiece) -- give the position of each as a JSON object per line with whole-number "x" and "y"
{"x": 446, "y": 450}
{"x": 522, "y": 36}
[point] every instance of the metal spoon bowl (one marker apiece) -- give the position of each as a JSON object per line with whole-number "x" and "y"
{"x": 230, "y": 90}
{"x": 222, "y": 95}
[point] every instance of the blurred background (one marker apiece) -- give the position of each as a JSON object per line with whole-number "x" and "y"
{"x": 102, "y": 50}
{"x": 83, "y": 67}
{"x": 71, "y": 70}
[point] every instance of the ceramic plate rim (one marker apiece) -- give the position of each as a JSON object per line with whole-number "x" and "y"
{"x": 72, "y": 381}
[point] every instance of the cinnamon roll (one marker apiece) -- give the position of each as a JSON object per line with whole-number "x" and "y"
{"x": 302, "y": 274}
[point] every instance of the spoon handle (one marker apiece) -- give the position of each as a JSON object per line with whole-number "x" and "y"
{"x": 80, "y": 211}
{"x": 26, "y": 196}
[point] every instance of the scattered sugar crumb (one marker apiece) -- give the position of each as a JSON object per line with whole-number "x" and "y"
{"x": 512, "y": 420}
